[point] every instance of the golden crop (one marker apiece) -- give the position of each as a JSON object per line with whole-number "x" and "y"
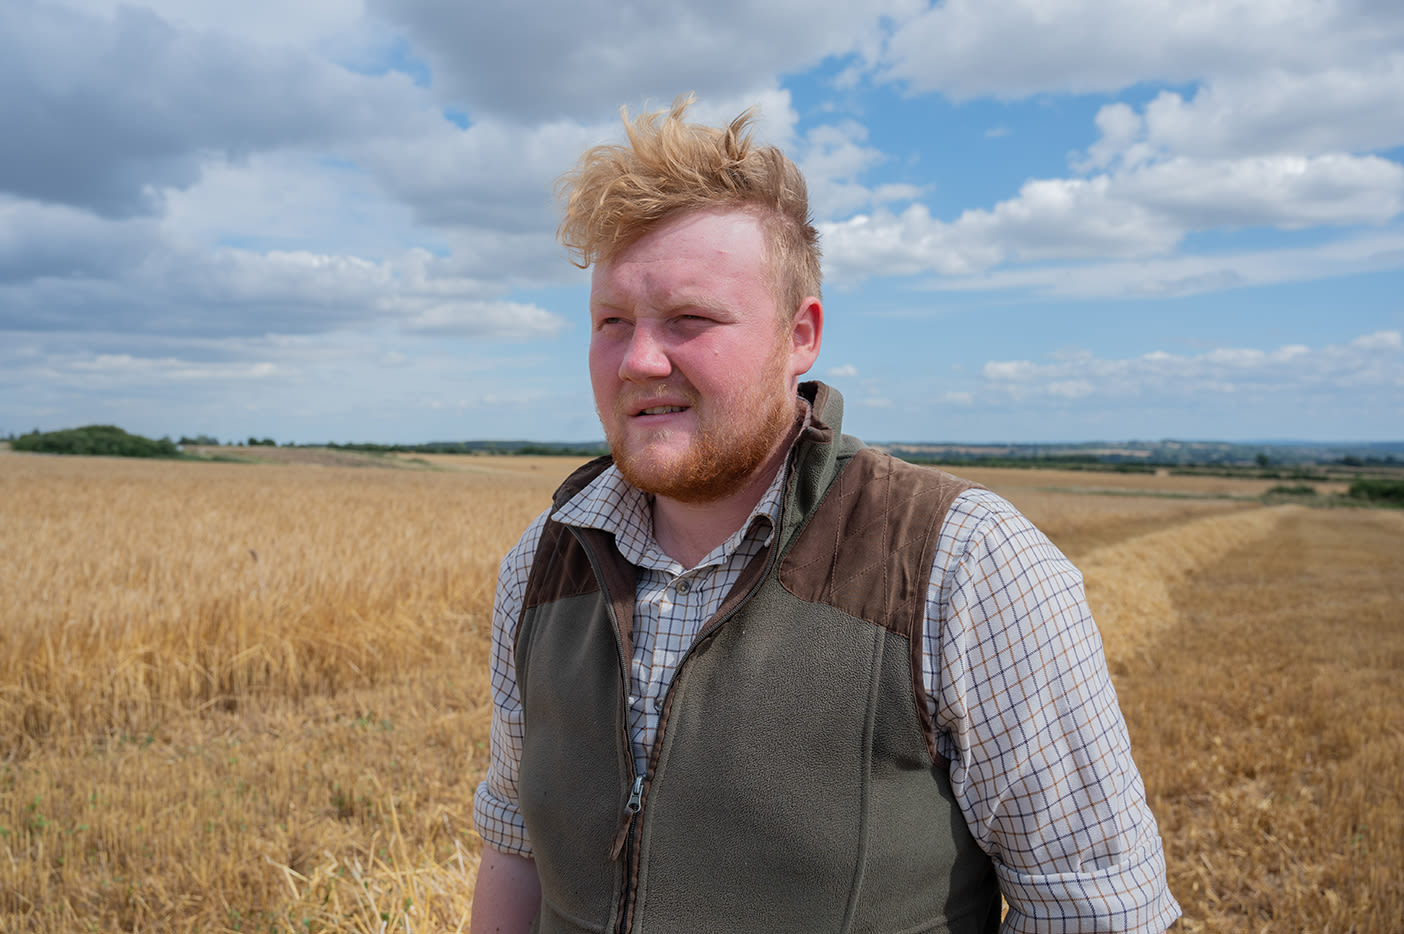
{"x": 254, "y": 698}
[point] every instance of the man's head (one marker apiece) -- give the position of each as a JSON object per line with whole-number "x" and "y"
{"x": 699, "y": 327}
{"x": 616, "y": 194}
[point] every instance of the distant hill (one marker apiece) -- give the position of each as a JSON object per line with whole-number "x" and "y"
{"x": 533, "y": 448}
{"x": 1097, "y": 455}
{"x": 1168, "y": 453}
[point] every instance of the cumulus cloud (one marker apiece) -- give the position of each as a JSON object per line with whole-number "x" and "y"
{"x": 1288, "y": 104}
{"x": 39, "y": 241}
{"x": 833, "y": 158}
{"x": 269, "y": 21}
{"x": 563, "y": 58}
{"x": 473, "y": 319}
{"x": 1179, "y": 276}
{"x": 1370, "y": 364}
{"x": 1015, "y": 48}
{"x": 1341, "y": 108}
{"x": 139, "y": 105}
{"x": 1281, "y": 191}
{"x": 1138, "y": 212}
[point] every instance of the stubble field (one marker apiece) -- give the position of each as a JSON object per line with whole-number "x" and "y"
{"x": 254, "y": 697}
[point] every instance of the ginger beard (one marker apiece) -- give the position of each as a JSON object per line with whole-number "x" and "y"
{"x": 728, "y": 447}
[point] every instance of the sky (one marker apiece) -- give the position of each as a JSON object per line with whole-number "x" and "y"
{"x": 1042, "y": 220}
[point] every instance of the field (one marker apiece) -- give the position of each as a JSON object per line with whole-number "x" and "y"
{"x": 253, "y": 697}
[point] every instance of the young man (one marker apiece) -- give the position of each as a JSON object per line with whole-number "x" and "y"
{"x": 750, "y": 675}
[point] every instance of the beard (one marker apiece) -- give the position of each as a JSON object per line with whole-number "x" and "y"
{"x": 724, "y": 455}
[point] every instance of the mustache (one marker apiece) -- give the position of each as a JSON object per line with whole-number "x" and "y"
{"x": 663, "y": 393}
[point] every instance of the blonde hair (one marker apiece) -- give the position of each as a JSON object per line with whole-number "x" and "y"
{"x": 617, "y": 194}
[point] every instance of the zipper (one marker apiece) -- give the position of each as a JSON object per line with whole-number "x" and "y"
{"x": 631, "y": 808}
{"x": 626, "y": 837}
{"x": 630, "y": 831}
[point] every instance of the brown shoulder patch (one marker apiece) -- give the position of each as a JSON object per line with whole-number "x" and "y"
{"x": 868, "y": 548}
{"x": 561, "y": 568}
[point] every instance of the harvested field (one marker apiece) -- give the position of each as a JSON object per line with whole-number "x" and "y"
{"x": 1165, "y": 483}
{"x": 1269, "y": 724}
{"x": 253, "y": 697}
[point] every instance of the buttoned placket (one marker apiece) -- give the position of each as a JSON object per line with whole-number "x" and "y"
{"x": 677, "y": 604}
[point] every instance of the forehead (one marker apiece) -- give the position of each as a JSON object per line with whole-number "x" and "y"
{"x": 714, "y": 250}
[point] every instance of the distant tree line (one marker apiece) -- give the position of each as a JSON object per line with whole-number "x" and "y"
{"x": 212, "y": 441}
{"x": 99, "y": 440}
{"x": 523, "y": 448}
{"x": 1378, "y": 490}
{"x": 1049, "y": 461}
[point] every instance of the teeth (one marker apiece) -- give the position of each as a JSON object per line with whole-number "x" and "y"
{"x": 662, "y": 410}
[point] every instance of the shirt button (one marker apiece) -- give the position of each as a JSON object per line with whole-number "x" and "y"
{"x": 683, "y": 587}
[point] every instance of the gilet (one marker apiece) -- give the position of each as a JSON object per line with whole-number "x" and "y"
{"x": 795, "y": 783}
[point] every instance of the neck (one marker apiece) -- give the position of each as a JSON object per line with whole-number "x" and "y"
{"x": 688, "y": 532}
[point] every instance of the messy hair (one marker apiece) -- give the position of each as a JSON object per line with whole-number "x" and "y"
{"x": 617, "y": 194}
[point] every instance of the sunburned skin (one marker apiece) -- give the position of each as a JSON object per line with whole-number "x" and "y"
{"x": 694, "y": 368}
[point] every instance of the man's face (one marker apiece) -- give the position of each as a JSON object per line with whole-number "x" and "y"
{"x": 693, "y": 371}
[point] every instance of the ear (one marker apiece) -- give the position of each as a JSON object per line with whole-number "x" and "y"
{"x": 806, "y": 334}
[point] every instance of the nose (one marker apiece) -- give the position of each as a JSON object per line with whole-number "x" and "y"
{"x": 646, "y": 355}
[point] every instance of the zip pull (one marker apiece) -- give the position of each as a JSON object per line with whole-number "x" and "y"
{"x": 631, "y": 807}
{"x": 635, "y": 797}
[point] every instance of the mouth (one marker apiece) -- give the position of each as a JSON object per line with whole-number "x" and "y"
{"x": 662, "y": 410}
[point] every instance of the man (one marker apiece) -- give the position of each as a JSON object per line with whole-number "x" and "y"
{"x": 750, "y": 675}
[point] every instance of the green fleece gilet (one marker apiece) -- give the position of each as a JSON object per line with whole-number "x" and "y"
{"x": 795, "y": 783}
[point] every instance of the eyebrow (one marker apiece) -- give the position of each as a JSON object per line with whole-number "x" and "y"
{"x": 673, "y": 303}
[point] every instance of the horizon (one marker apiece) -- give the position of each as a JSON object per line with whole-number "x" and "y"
{"x": 1071, "y": 219}
{"x": 599, "y": 442}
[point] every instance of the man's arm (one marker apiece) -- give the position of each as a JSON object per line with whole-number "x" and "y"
{"x": 507, "y": 895}
{"x": 508, "y": 890}
{"x": 1027, "y": 715}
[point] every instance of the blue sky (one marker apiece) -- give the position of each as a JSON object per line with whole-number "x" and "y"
{"x": 1063, "y": 220}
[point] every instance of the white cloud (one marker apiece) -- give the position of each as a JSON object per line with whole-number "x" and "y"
{"x": 1380, "y": 340}
{"x": 269, "y": 21}
{"x": 1142, "y": 211}
{"x": 124, "y": 369}
{"x": 1170, "y": 277}
{"x": 292, "y": 200}
{"x": 1050, "y": 219}
{"x": 566, "y": 58}
{"x": 1071, "y": 388}
{"x": 843, "y": 371}
{"x": 1346, "y": 107}
{"x": 1373, "y": 363}
{"x": 138, "y": 105}
{"x": 1016, "y": 48}
{"x": 493, "y": 319}
{"x": 1280, "y": 191}
{"x": 493, "y": 175}
{"x": 41, "y": 241}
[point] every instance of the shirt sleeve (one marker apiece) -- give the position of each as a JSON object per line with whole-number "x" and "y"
{"x": 495, "y": 812}
{"x": 1025, "y": 711}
